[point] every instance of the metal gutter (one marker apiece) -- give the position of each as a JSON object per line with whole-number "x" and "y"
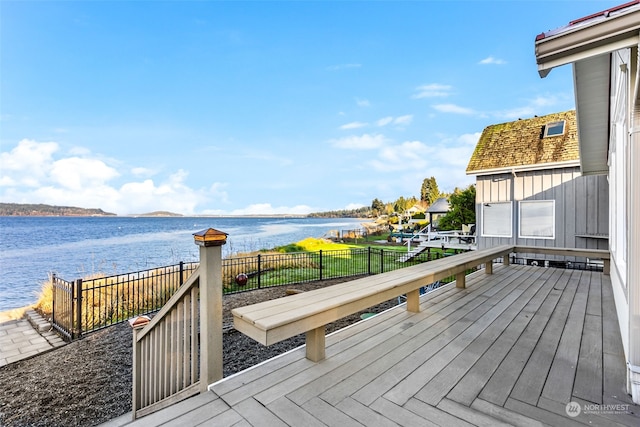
{"x": 584, "y": 39}
{"x": 525, "y": 168}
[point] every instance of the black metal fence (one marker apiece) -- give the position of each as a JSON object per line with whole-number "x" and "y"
{"x": 86, "y": 305}
{"x": 266, "y": 270}
{"x": 590, "y": 265}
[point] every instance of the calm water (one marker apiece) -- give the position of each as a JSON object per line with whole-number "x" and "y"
{"x": 33, "y": 247}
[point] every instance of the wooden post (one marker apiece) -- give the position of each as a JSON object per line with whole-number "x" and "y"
{"x": 461, "y": 280}
{"x": 137, "y": 323}
{"x": 505, "y": 259}
{"x": 413, "y": 301}
{"x": 488, "y": 267}
{"x": 210, "y": 242}
{"x": 315, "y": 342}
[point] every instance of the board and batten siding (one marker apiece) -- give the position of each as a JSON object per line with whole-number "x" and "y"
{"x": 581, "y": 206}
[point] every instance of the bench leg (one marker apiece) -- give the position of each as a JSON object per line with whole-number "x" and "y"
{"x": 315, "y": 344}
{"x": 461, "y": 280}
{"x": 505, "y": 259}
{"x": 488, "y": 267}
{"x": 413, "y": 301}
{"x": 606, "y": 267}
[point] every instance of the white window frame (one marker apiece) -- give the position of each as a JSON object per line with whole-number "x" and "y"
{"x": 554, "y": 125}
{"x": 492, "y": 233}
{"x": 522, "y": 219}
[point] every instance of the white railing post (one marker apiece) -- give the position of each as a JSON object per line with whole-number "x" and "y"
{"x": 210, "y": 242}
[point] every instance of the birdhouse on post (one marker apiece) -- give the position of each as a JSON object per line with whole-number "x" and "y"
{"x": 210, "y": 242}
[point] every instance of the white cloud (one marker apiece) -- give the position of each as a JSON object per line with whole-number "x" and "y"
{"x": 363, "y": 102}
{"x": 353, "y": 125}
{"x": 492, "y": 60}
{"x": 540, "y": 105}
{"x": 398, "y": 121}
{"x": 384, "y": 121}
{"x": 452, "y": 108}
{"x": 469, "y": 139}
{"x": 456, "y": 152}
{"x": 432, "y": 90}
{"x": 267, "y": 209}
{"x": 140, "y": 171}
{"x": 171, "y": 195}
{"x": 31, "y": 174}
{"x": 408, "y": 155}
{"x": 403, "y": 120}
{"x": 363, "y": 142}
{"x": 76, "y": 173}
{"x": 27, "y": 163}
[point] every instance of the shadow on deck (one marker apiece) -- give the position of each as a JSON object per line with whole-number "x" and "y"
{"x": 523, "y": 346}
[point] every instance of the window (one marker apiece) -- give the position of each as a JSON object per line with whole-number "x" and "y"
{"x": 537, "y": 219}
{"x": 554, "y": 129}
{"x": 496, "y": 219}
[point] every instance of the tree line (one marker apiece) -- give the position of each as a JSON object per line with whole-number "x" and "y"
{"x": 461, "y": 202}
{"x": 19, "y": 209}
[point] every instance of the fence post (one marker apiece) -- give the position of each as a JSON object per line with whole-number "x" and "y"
{"x": 259, "y": 267}
{"x": 181, "y": 273}
{"x": 53, "y": 298}
{"x": 381, "y": 260}
{"x": 320, "y": 264}
{"x": 369, "y": 260}
{"x": 210, "y": 242}
{"x": 79, "y": 307}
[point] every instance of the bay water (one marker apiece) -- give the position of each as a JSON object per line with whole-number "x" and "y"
{"x": 32, "y": 248}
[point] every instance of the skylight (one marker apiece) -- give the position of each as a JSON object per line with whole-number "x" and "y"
{"x": 554, "y": 129}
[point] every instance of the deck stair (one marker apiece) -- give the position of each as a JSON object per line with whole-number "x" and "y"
{"x": 416, "y": 250}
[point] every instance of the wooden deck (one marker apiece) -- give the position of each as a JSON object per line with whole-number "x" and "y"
{"x": 513, "y": 348}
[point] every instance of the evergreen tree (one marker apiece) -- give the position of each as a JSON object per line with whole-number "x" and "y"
{"x": 377, "y": 207}
{"x": 462, "y": 209}
{"x": 429, "y": 191}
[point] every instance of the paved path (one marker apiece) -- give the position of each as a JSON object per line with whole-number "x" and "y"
{"x": 25, "y": 337}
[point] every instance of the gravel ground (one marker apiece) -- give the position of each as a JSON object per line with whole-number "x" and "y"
{"x": 88, "y": 382}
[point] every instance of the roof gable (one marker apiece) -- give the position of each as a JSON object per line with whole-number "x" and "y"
{"x": 520, "y": 143}
{"x": 439, "y": 206}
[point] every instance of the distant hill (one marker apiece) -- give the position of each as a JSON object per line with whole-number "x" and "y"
{"x": 159, "y": 213}
{"x": 17, "y": 209}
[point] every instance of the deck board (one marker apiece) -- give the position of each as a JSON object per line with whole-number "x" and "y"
{"x": 513, "y": 348}
{"x": 457, "y": 368}
{"x": 561, "y": 376}
{"x": 469, "y": 386}
{"x": 532, "y": 379}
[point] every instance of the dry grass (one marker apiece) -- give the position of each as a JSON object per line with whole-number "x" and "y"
{"x": 107, "y": 300}
{"x": 13, "y": 314}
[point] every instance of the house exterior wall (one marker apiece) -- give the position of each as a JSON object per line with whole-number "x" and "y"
{"x": 610, "y": 45}
{"x": 581, "y": 206}
{"x": 618, "y": 179}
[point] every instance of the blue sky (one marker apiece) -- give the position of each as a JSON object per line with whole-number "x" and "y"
{"x": 263, "y": 107}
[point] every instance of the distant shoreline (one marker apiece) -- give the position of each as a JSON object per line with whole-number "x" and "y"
{"x": 42, "y": 210}
{"x": 167, "y": 216}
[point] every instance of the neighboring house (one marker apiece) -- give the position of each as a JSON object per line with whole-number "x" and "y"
{"x": 529, "y": 189}
{"x": 603, "y": 50}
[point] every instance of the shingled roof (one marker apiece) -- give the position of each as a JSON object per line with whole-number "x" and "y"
{"x": 519, "y": 144}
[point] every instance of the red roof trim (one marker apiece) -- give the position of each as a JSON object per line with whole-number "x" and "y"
{"x": 604, "y": 12}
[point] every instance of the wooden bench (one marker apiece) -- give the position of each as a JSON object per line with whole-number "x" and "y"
{"x": 272, "y": 321}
